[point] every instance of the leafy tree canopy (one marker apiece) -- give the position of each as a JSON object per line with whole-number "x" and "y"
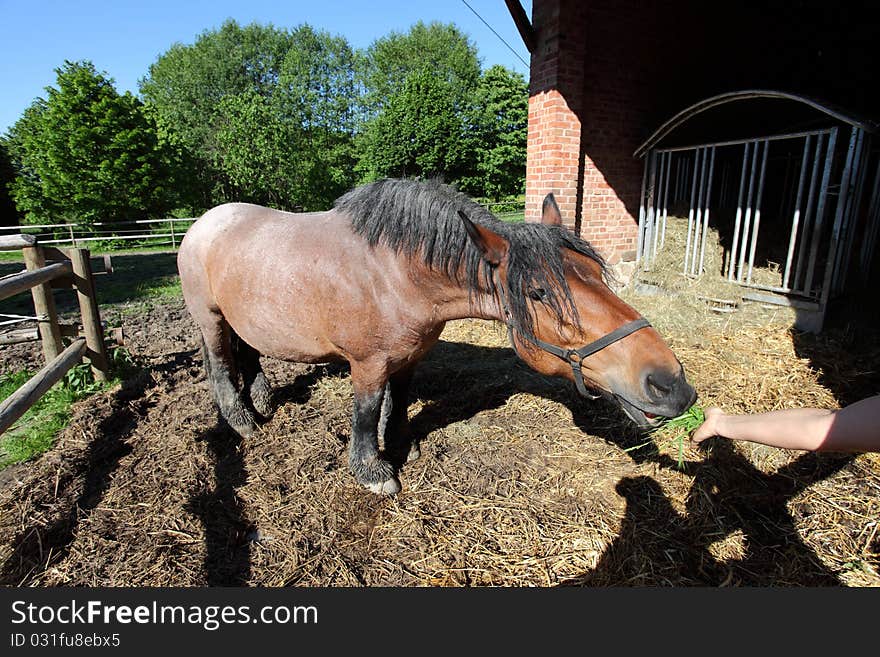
{"x": 440, "y": 48}
{"x": 87, "y": 153}
{"x": 242, "y": 99}
{"x": 499, "y": 125}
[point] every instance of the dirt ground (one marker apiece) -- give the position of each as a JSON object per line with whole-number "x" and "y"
{"x": 521, "y": 483}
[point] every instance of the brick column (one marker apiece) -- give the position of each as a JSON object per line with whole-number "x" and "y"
{"x": 555, "y": 99}
{"x": 586, "y": 114}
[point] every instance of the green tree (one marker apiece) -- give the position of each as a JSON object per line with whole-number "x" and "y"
{"x": 497, "y": 133}
{"x": 263, "y": 113}
{"x": 418, "y": 93}
{"x": 417, "y": 133}
{"x": 318, "y": 96}
{"x": 87, "y": 153}
{"x": 440, "y": 48}
{"x": 185, "y": 86}
{"x": 8, "y": 212}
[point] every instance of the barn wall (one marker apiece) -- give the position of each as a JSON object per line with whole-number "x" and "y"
{"x": 606, "y": 73}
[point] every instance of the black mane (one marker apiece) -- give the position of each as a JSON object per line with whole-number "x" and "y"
{"x": 416, "y": 218}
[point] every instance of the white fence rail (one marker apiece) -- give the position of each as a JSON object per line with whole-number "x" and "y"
{"x": 157, "y": 232}
{"x": 145, "y": 232}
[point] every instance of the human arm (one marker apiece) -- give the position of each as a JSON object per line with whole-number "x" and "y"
{"x": 855, "y": 428}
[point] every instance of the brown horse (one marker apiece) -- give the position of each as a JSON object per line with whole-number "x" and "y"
{"x": 374, "y": 280}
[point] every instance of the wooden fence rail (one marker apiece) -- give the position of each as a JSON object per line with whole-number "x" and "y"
{"x": 72, "y": 270}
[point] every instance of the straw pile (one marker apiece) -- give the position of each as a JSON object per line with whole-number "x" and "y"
{"x": 667, "y": 268}
{"x": 521, "y": 483}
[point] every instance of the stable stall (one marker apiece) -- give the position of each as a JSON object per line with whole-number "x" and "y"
{"x": 773, "y": 192}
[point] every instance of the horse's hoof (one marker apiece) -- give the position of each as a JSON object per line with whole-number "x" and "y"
{"x": 414, "y": 454}
{"x": 387, "y": 487}
{"x": 243, "y": 430}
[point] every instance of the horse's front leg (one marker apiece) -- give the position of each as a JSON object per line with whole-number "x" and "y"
{"x": 398, "y": 436}
{"x": 368, "y": 467}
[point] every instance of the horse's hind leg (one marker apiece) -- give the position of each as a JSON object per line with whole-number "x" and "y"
{"x": 368, "y": 467}
{"x": 256, "y": 385}
{"x": 222, "y": 373}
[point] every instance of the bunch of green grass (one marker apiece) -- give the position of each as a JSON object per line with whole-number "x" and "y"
{"x": 35, "y": 432}
{"x": 680, "y": 428}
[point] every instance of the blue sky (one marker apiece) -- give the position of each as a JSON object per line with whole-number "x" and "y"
{"x": 123, "y": 38}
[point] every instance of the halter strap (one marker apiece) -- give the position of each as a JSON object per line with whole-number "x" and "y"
{"x": 573, "y": 357}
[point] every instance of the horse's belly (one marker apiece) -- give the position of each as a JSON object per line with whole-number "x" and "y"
{"x": 279, "y": 331}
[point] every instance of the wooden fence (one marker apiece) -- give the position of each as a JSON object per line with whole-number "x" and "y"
{"x": 45, "y": 268}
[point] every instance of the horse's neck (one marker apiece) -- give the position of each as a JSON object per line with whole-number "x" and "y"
{"x": 452, "y": 300}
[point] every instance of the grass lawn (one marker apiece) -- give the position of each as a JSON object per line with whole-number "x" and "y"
{"x": 35, "y": 432}
{"x": 137, "y": 279}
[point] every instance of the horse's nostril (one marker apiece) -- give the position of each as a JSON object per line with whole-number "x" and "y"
{"x": 659, "y": 385}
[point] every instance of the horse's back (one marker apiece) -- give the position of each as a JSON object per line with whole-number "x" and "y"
{"x": 281, "y": 280}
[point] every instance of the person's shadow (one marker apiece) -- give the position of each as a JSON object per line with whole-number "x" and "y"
{"x": 657, "y": 546}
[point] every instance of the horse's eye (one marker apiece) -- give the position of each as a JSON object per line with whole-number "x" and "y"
{"x": 537, "y": 294}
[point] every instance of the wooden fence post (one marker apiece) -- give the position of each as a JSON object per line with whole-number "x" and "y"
{"x": 44, "y": 305}
{"x": 88, "y": 305}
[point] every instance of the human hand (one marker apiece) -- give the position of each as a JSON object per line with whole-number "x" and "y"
{"x": 709, "y": 427}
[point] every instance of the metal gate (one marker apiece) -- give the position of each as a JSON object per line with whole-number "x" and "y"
{"x": 821, "y": 196}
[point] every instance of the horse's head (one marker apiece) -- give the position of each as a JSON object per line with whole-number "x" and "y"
{"x": 565, "y": 321}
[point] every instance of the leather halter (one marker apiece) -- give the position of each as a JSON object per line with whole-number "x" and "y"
{"x": 573, "y": 357}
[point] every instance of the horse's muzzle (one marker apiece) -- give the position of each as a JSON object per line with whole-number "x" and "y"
{"x": 669, "y": 393}
{"x": 663, "y": 395}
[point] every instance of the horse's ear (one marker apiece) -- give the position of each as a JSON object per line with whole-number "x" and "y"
{"x": 550, "y": 211}
{"x": 491, "y": 244}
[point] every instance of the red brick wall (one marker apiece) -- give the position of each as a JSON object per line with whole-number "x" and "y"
{"x": 555, "y": 99}
{"x": 586, "y": 115}
{"x": 606, "y": 73}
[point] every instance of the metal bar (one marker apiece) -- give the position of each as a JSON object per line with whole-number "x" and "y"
{"x": 687, "y": 251}
{"x": 735, "y": 142}
{"x": 658, "y": 204}
{"x": 640, "y": 236}
{"x": 792, "y": 240}
{"x": 783, "y": 196}
{"x": 731, "y": 265}
{"x": 650, "y": 207}
{"x": 808, "y": 214}
{"x": 706, "y": 212}
{"x": 825, "y": 292}
{"x": 757, "y": 225}
{"x": 748, "y": 214}
{"x": 682, "y": 182}
{"x": 18, "y": 229}
{"x": 851, "y": 216}
{"x": 699, "y": 217}
{"x": 665, "y": 199}
{"x": 873, "y": 220}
